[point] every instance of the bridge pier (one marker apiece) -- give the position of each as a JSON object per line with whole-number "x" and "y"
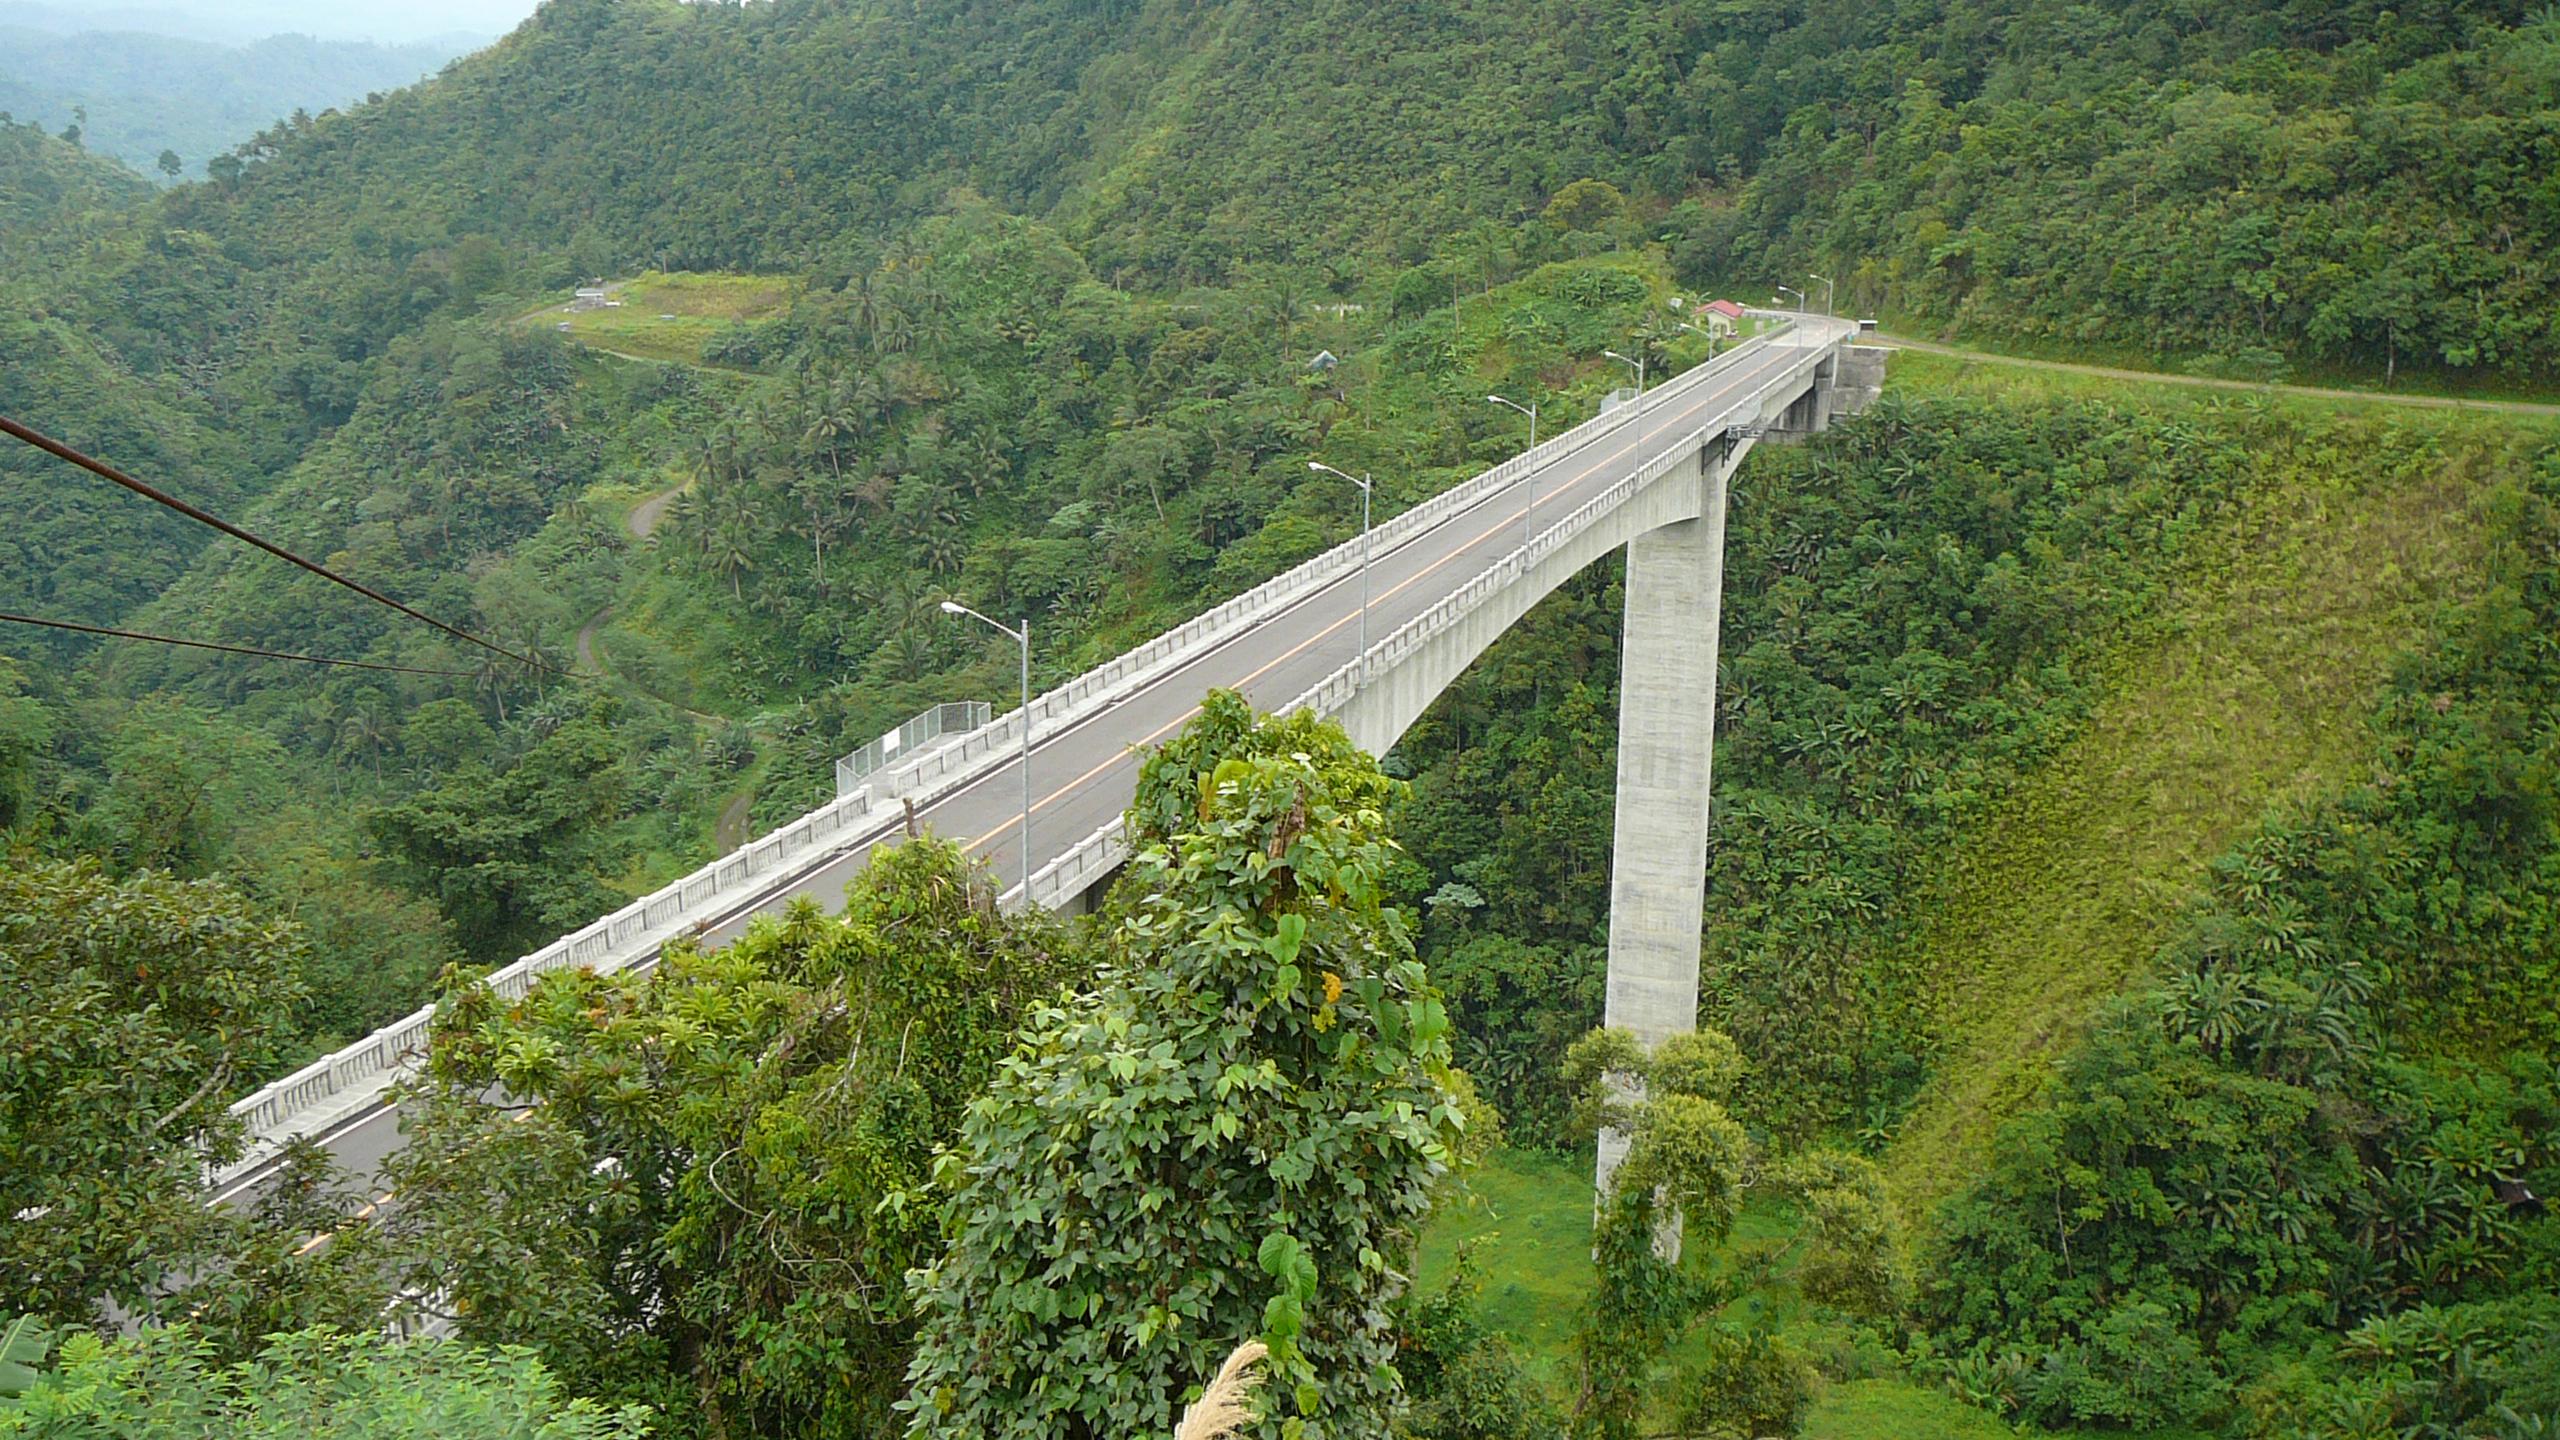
{"x": 1666, "y": 749}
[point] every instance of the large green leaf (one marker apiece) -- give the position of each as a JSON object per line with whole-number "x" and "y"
{"x": 23, "y": 1346}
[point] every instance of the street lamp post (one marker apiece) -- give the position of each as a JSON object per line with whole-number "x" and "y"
{"x": 1020, "y": 637}
{"x": 1363, "y": 482}
{"x": 1694, "y": 330}
{"x": 1826, "y": 289}
{"x": 1528, "y": 473}
{"x": 1791, "y": 290}
{"x": 1638, "y": 363}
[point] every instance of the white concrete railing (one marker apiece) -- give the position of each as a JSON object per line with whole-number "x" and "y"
{"x": 352, "y": 1079}
{"x": 1106, "y": 683}
{"x": 1095, "y": 856}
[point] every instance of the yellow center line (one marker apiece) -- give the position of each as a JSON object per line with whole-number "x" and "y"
{"x": 1504, "y": 523}
{"x": 371, "y": 1207}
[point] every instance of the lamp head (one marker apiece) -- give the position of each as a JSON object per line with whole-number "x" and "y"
{"x": 954, "y": 607}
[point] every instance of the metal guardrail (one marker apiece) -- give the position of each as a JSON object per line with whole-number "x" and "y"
{"x": 1075, "y": 871}
{"x": 352, "y": 1079}
{"x": 951, "y": 718}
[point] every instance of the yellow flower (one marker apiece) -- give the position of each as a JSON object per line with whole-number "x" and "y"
{"x": 1332, "y": 988}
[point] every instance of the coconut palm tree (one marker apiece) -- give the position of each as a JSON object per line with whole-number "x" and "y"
{"x": 711, "y": 454}
{"x": 866, "y": 304}
{"x": 897, "y": 332}
{"x": 731, "y": 554}
{"x": 985, "y": 469}
{"x": 875, "y": 485}
{"x": 362, "y": 732}
{"x": 491, "y": 674}
{"x": 943, "y": 552}
{"x": 829, "y": 427}
{"x": 819, "y": 518}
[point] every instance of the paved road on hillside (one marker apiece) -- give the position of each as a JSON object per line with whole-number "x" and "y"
{"x": 1083, "y": 776}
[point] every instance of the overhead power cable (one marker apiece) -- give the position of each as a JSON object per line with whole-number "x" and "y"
{"x": 158, "y": 496}
{"x": 228, "y": 649}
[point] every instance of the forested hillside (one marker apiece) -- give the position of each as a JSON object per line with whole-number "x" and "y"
{"x": 2129, "y": 954}
{"x": 44, "y": 178}
{"x": 164, "y": 106}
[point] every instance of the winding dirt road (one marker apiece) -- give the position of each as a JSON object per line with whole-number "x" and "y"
{"x": 640, "y": 524}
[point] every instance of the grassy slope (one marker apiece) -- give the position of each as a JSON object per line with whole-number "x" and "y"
{"x": 2118, "y": 364}
{"x": 2252, "y": 691}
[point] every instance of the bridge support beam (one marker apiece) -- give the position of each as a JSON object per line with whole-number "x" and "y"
{"x": 1666, "y": 747}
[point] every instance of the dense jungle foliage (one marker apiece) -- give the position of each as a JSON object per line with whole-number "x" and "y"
{"x": 2324, "y": 1110}
{"x": 46, "y": 177}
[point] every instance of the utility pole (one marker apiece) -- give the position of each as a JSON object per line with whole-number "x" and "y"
{"x": 1638, "y": 363}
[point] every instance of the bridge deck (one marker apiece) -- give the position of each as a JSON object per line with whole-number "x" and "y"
{"x": 1084, "y": 772}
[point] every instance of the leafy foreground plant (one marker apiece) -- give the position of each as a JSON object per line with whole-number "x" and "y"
{"x": 134, "y": 1007}
{"x": 1687, "y": 1170}
{"x": 170, "y": 1384}
{"x": 1237, "y": 1130}
{"x": 692, "y": 1216}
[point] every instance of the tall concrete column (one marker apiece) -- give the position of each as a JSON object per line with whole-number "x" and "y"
{"x": 1666, "y": 745}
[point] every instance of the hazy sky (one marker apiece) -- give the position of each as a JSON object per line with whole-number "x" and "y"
{"x": 241, "y": 20}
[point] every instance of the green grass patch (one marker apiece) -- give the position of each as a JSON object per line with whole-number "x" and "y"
{"x": 670, "y": 316}
{"x": 2254, "y": 690}
{"x": 1525, "y": 1218}
{"x": 2344, "y": 389}
{"x": 1875, "y": 1409}
{"x": 1902, "y": 1410}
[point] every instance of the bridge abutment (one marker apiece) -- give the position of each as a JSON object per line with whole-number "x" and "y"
{"x": 1847, "y": 383}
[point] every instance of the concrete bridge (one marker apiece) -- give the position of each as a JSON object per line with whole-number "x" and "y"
{"x": 1445, "y": 580}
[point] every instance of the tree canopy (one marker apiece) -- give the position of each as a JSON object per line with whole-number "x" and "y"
{"x": 1235, "y": 1131}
